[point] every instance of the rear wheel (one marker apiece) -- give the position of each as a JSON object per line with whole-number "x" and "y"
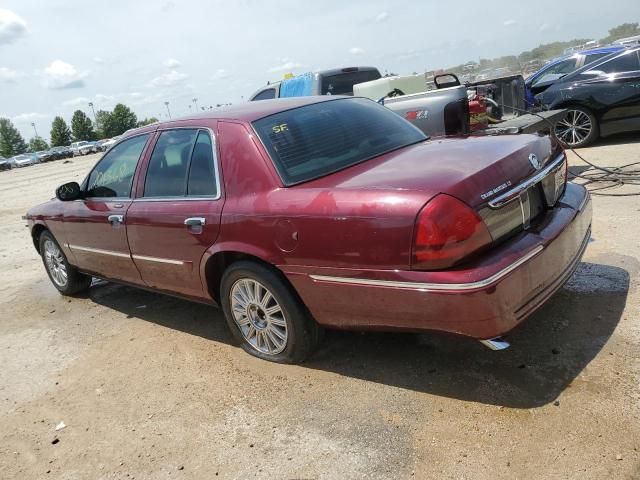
{"x": 579, "y": 128}
{"x": 265, "y": 316}
{"x": 66, "y": 278}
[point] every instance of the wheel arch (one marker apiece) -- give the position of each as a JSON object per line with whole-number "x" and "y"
{"x": 36, "y": 232}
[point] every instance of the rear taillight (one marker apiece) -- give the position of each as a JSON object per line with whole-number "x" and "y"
{"x": 447, "y": 230}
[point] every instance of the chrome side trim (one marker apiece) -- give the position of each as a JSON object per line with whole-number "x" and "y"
{"x": 99, "y": 251}
{"x": 515, "y": 192}
{"x": 432, "y": 287}
{"x": 158, "y": 260}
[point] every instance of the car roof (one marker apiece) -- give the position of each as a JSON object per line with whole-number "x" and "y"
{"x": 590, "y": 66}
{"x": 244, "y": 112}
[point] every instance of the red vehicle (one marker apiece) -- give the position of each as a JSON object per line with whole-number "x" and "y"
{"x": 313, "y": 212}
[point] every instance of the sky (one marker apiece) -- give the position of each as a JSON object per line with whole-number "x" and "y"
{"x": 56, "y": 56}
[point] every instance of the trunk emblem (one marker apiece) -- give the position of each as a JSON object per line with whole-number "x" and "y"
{"x": 533, "y": 160}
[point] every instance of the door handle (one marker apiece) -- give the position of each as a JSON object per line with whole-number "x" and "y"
{"x": 195, "y": 221}
{"x": 114, "y": 219}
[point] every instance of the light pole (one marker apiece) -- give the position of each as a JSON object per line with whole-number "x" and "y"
{"x": 34, "y": 128}
{"x": 195, "y": 100}
{"x": 168, "y": 111}
{"x": 95, "y": 119}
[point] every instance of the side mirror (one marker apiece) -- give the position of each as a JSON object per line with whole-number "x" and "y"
{"x": 446, "y": 80}
{"x": 68, "y": 191}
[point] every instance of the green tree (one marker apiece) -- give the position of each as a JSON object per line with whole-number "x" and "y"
{"x": 147, "y": 121}
{"x": 622, "y": 31}
{"x": 60, "y": 133}
{"x": 102, "y": 119}
{"x": 119, "y": 121}
{"x": 81, "y": 127}
{"x": 11, "y": 142}
{"x": 37, "y": 143}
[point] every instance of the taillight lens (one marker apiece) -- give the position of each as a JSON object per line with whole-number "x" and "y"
{"x": 447, "y": 230}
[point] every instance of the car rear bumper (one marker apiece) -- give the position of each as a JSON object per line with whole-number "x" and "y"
{"x": 482, "y": 300}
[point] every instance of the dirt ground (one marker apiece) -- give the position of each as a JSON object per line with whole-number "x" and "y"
{"x": 150, "y": 387}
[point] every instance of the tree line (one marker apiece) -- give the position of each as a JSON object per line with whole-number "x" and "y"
{"x": 108, "y": 124}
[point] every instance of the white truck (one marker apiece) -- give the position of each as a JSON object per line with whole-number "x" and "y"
{"x": 82, "y": 148}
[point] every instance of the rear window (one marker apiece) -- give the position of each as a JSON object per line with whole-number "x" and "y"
{"x": 342, "y": 83}
{"x": 314, "y": 140}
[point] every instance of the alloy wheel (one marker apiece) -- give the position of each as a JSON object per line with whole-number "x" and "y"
{"x": 55, "y": 263}
{"x": 259, "y": 316}
{"x": 574, "y": 128}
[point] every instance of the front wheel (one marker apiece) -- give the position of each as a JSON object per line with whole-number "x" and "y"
{"x": 265, "y": 315}
{"x": 579, "y": 128}
{"x": 66, "y": 278}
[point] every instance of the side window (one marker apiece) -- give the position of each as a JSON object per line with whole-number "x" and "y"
{"x": 202, "y": 174}
{"x": 560, "y": 68}
{"x": 169, "y": 163}
{"x": 594, "y": 57}
{"x": 265, "y": 94}
{"x": 113, "y": 175}
{"x": 628, "y": 62}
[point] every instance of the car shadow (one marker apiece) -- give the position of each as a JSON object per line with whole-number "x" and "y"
{"x": 547, "y": 352}
{"x": 618, "y": 139}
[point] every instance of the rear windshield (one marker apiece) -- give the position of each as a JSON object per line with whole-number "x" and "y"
{"x": 314, "y": 140}
{"x": 342, "y": 83}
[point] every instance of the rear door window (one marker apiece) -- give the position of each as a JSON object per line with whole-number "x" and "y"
{"x": 182, "y": 164}
{"x": 627, "y": 62}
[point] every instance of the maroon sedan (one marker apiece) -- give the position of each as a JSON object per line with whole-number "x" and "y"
{"x": 299, "y": 214}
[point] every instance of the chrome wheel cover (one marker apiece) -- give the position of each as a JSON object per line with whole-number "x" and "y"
{"x": 259, "y": 316}
{"x": 55, "y": 262}
{"x": 574, "y": 128}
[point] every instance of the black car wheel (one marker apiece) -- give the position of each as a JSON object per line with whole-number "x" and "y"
{"x": 579, "y": 128}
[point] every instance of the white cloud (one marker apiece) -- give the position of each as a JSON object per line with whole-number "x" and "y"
{"x": 74, "y": 102}
{"x": 508, "y": 23}
{"x": 60, "y": 75}
{"x": 29, "y": 117}
{"x": 99, "y": 60}
{"x": 173, "y": 77}
{"x": 12, "y": 26}
{"x": 287, "y": 64}
{"x": 101, "y": 98}
{"x": 8, "y": 75}
{"x": 356, "y": 51}
{"x": 220, "y": 74}
{"x": 172, "y": 63}
{"x": 382, "y": 16}
{"x": 544, "y": 27}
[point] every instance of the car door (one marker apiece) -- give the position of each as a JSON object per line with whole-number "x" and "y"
{"x": 95, "y": 226}
{"x": 616, "y": 87}
{"x": 176, "y": 215}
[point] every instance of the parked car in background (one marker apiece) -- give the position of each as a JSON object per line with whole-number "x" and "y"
{"x": 43, "y": 156}
{"x": 559, "y": 67}
{"x": 110, "y": 143}
{"x": 629, "y": 41}
{"x": 332, "y": 212}
{"x": 338, "y": 81}
{"x": 24, "y": 160}
{"x": 82, "y": 148}
{"x": 4, "y": 164}
{"x": 61, "y": 152}
{"x": 601, "y": 99}
{"x": 100, "y": 145}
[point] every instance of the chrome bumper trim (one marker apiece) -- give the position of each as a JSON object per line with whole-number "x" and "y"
{"x": 433, "y": 287}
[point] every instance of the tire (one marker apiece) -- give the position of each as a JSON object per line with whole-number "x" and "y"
{"x": 277, "y": 327}
{"x": 66, "y": 278}
{"x": 578, "y": 129}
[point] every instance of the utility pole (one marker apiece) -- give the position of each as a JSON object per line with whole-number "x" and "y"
{"x": 168, "y": 111}
{"x": 195, "y": 100}
{"x": 34, "y": 128}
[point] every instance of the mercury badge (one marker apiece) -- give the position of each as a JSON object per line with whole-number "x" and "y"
{"x": 533, "y": 160}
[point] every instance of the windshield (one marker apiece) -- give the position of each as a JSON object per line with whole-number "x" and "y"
{"x": 314, "y": 140}
{"x": 342, "y": 83}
